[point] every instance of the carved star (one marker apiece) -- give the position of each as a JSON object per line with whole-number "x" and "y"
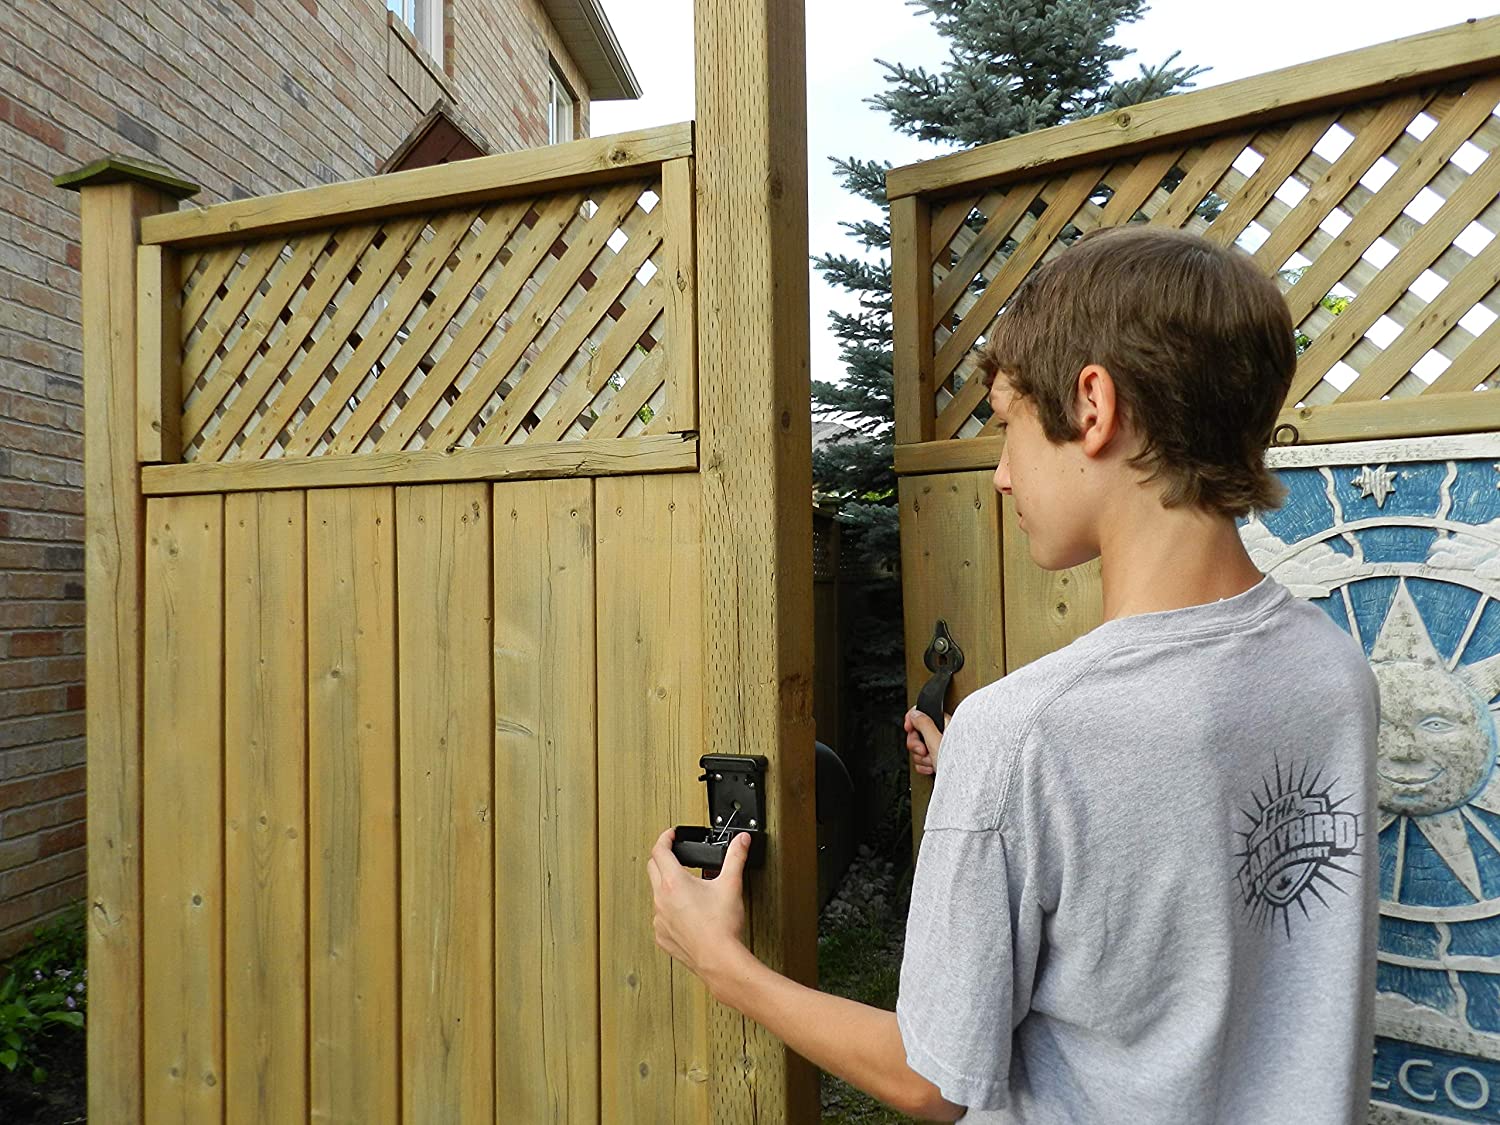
{"x": 1378, "y": 482}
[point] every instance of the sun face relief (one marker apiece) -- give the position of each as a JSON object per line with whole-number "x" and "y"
{"x": 1437, "y": 738}
{"x": 1403, "y": 551}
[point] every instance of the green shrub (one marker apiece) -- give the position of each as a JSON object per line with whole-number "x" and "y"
{"x": 43, "y": 991}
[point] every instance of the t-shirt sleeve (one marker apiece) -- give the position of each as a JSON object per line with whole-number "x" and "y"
{"x": 962, "y": 991}
{"x": 972, "y": 936}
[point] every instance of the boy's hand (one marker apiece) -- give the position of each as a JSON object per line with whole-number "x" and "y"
{"x": 922, "y": 741}
{"x": 699, "y": 921}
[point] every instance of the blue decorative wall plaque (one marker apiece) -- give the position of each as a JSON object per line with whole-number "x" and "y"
{"x": 1399, "y": 543}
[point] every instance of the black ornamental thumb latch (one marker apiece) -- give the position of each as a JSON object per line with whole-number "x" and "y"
{"x": 943, "y": 659}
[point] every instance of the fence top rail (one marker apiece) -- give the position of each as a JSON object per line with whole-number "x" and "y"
{"x": 528, "y": 171}
{"x": 1431, "y": 58}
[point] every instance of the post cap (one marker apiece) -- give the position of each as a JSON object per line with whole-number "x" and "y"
{"x": 117, "y": 169}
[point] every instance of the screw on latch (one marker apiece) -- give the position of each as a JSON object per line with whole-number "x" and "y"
{"x": 753, "y": 824}
{"x": 943, "y": 658}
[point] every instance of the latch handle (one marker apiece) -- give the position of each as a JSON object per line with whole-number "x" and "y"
{"x": 943, "y": 659}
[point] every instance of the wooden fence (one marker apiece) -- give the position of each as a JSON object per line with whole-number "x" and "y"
{"x": 398, "y": 598}
{"x": 1366, "y": 184}
{"x": 439, "y": 315}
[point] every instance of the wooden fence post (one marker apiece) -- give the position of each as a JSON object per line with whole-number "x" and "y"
{"x": 114, "y": 195}
{"x": 756, "y": 467}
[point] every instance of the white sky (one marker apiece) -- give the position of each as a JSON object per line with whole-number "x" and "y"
{"x": 846, "y": 36}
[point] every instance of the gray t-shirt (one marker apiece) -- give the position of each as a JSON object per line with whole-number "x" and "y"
{"x": 1148, "y": 882}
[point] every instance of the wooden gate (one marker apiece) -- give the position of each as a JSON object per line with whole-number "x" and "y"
{"x": 1366, "y": 184}
{"x": 427, "y": 552}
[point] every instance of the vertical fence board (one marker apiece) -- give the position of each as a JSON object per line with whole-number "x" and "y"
{"x": 351, "y": 653}
{"x": 183, "y": 832}
{"x": 546, "y": 830}
{"x": 911, "y": 311}
{"x": 951, "y": 569}
{"x": 158, "y": 354}
{"x": 678, "y": 196}
{"x": 265, "y": 807}
{"x": 446, "y": 763}
{"x": 653, "y": 1013}
{"x": 1044, "y": 609}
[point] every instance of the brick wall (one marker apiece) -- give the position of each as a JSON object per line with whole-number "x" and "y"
{"x": 243, "y": 97}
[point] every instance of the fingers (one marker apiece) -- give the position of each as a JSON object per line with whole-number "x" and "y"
{"x": 662, "y": 849}
{"x": 663, "y": 864}
{"x": 924, "y": 727}
{"x": 735, "y": 857}
{"x": 923, "y": 741}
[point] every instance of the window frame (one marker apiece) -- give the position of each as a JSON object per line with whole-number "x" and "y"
{"x": 560, "y": 93}
{"x": 424, "y": 19}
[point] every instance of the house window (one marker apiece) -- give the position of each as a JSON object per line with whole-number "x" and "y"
{"x": 561, "y": 106}
{"x": 425, "y": 18}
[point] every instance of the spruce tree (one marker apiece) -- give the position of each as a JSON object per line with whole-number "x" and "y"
{"x": 1014, "y": 66}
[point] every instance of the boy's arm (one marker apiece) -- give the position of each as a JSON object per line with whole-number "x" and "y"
{"x": 699, "y": 923}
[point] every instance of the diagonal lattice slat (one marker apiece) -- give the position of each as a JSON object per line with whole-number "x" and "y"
{"x": 1378, "y": 219}
{"x": 526, "y": 319}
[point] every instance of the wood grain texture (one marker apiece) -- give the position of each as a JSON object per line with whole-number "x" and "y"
{"x": 1044, "y": 609}
{"x": 950, "y": 456}
{"x": 270, "y": 364}
{"x": 649, "y": 453}
{"x": 653, "y": 1013}
{"x": 951, "y": 570}
{"x": 353, "y": 884}
{"x": 757, "y": 476}
{"x": 1435, "y": 237}
{"x": 680, "y": 265}
{"x": 609, "y": 287}
{"x": 427, "y": 259}
{"x": 183, "y": 824}
{"x": 911, "y": 311}
{"x": 158, "y": 355}
{"x": 447, "y": 803}
{"x": 529, "y": 171}
{"x": 556, "y": 215}
{"x": 473, "y": 260}
{"x": 586, "y": 245}
{"x": 375, "y": 270}
{"x": 265, "y": 807}
{"x": 546, "y": 897}
{"x": 264, "y": 313}
{"x": 1388, "y": 68}
{"x": 206, "y": 336}
{"x": 1428, "y": 414}
{"x": 114, "y": 531}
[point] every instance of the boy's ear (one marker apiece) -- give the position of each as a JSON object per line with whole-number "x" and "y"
{"x": 1096, "y": 409}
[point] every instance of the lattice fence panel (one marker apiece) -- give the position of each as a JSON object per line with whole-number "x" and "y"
{"x": 523, "y": 320}
{"x": 1378, "y": 220}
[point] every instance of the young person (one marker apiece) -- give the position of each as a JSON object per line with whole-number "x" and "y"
{"x": 1146, "y": 889}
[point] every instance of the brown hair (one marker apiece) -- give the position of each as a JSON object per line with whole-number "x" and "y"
{"x": 1196, "y": 337}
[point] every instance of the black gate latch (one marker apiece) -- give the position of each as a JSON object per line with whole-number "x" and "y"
{"x": 943, "y": 658}
{"x": 736, "y": 804}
